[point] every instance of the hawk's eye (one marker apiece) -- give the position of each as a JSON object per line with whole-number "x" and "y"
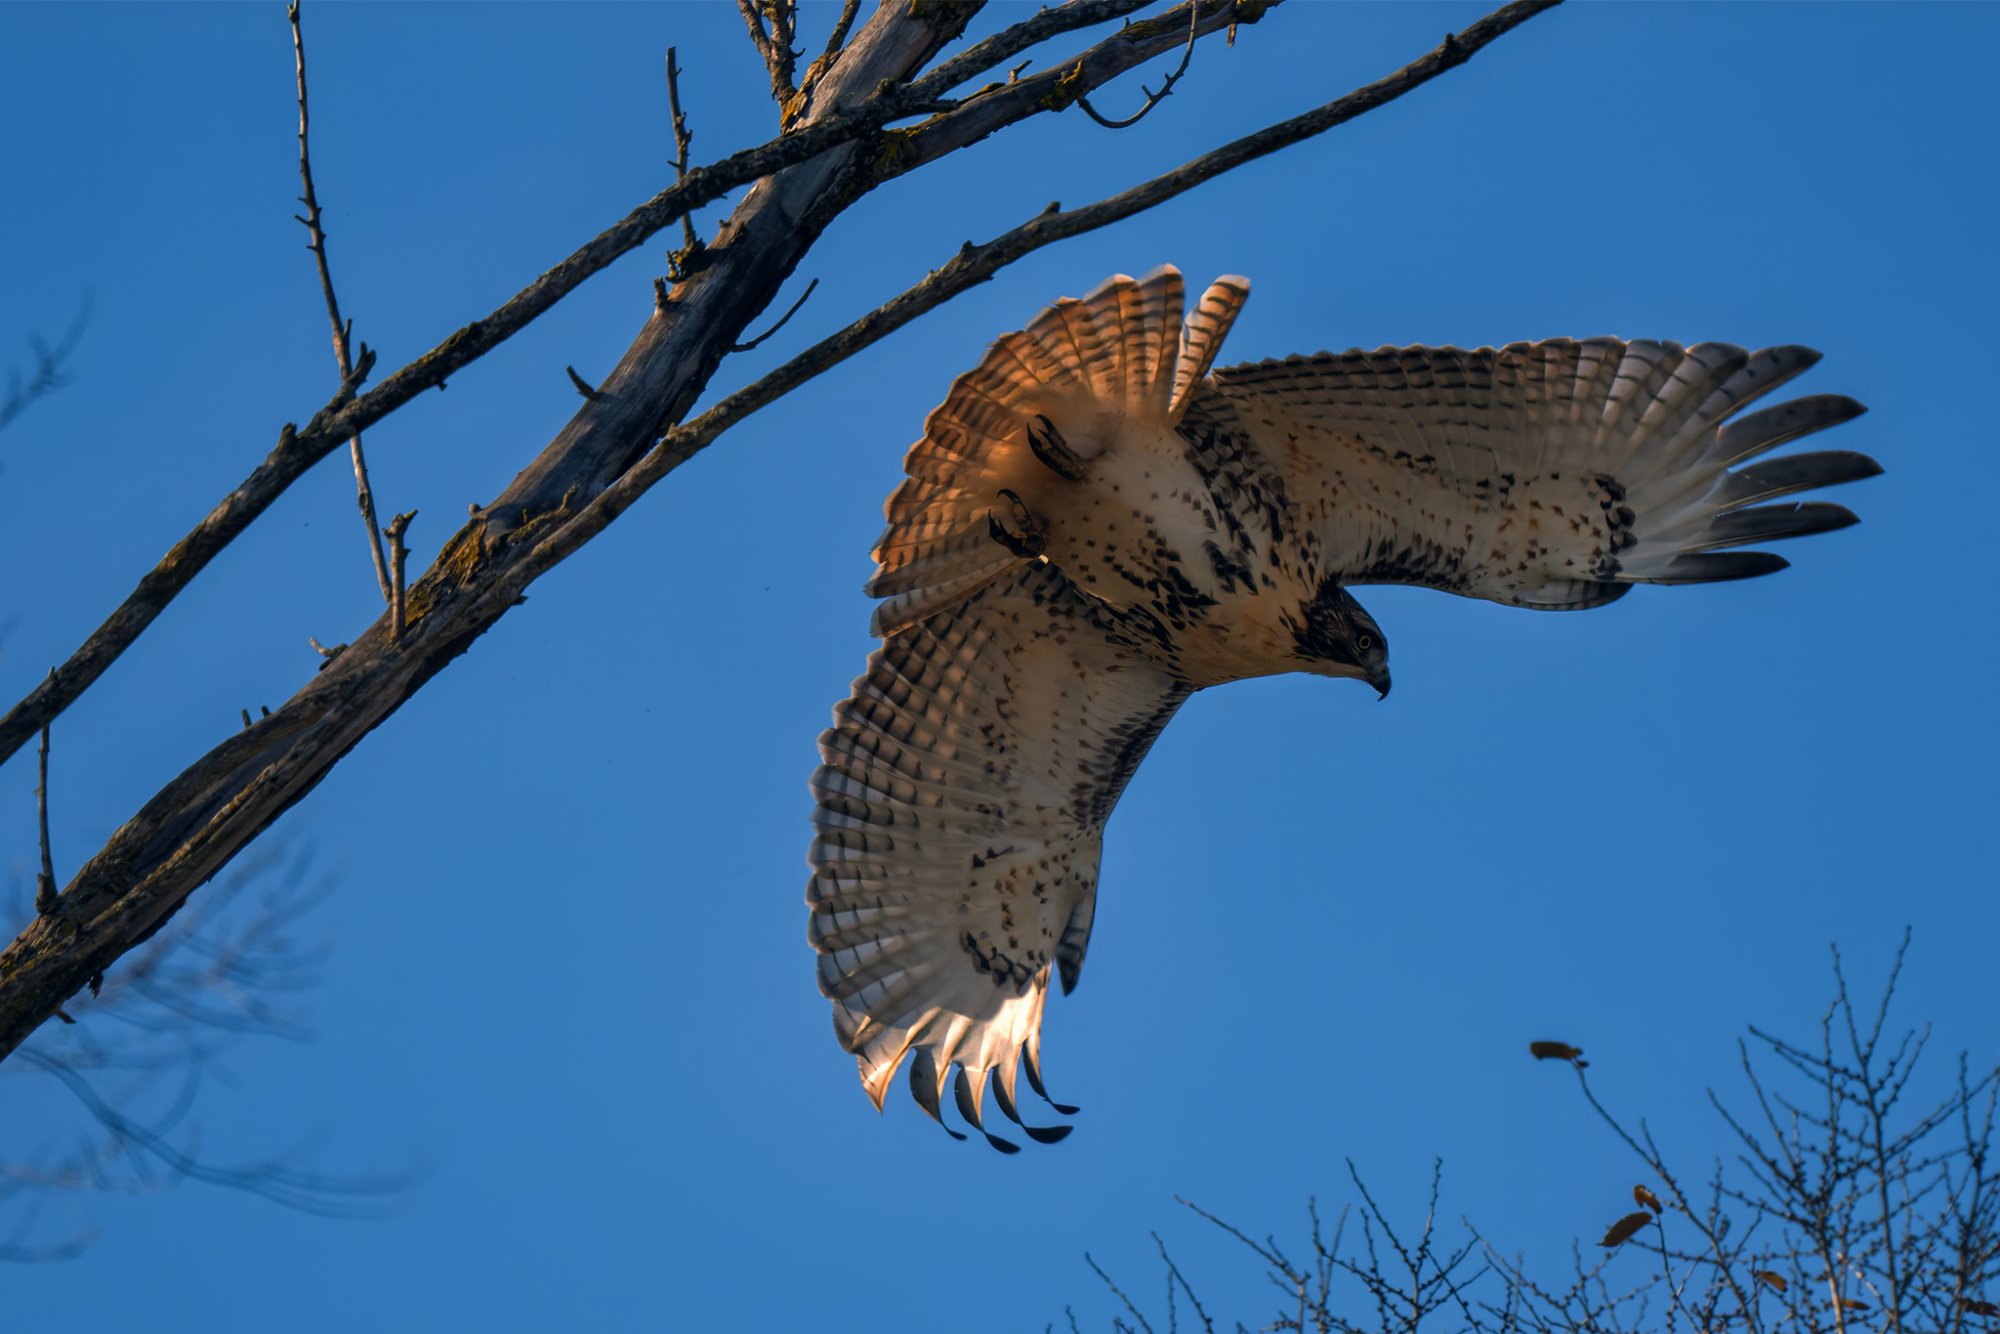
{"x": 1364, "y": 643}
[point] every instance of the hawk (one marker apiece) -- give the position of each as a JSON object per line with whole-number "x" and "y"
{"x": 1093, "y": 527}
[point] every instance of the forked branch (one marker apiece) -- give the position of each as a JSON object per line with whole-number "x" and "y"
{"x": 48, "y": 375}
{"x": 1153, "y": 99}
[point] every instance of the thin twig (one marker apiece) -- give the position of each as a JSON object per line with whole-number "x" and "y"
{"x": 1117, "y": 1292}
{"x": 745, "y": 347}
{"x": 342, "y": 329}
{"x": 398, "y": 553}
{"x": 682, "y": 139}
{"x": 347, "y": 414}
{"x": 45, "y": 880}
{"x": 1153, "y": 99}
{"x": 48, "y": 374}
{"x": 1174, "y": 1276}
{"x": 307, "y": 1192}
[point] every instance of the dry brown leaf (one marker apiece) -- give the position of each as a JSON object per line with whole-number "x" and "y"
{"x": 1851, "y": 1304}
{"x": 1980, "y": 1308}
{"x": 1640, "y": 1195}
{"x": 1624, "y": 1229}
{"x": 1769, "y": 1279}
{"x": 1553, "y": 1051}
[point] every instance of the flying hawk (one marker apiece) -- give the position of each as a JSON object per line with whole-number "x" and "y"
{"x": 1094, "y": 527}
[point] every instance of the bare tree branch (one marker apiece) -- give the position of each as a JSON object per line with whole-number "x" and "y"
{"x": 682, "y": 141}
{"x": 1153, "y": 99}
{"x": 48, "y": 374}
{"x": 225, "y": 969}
{"x": 398, "y": 553}
{"x": 783, "y": 320}
{"x": 774, "y": 48}
{"x": 342, "y": 330}
{"x": 1833, "y": 1259}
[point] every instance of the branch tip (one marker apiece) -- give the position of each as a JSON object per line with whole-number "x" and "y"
{"x": 352, "y": 371}
{"x": 1153, "y": 99}
{"x": 398, "y": 554}
{"x": 782, "y": 319}
{"x": 583, "y": 386}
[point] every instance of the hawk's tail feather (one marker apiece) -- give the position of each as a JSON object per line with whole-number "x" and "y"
{"x": 948, "y": 586}
{"x": 1038, "y": 407}
{"x": 1207, "y": 325}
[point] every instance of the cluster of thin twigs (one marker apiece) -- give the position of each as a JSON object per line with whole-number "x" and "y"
{"x": 233, "y": 965}
{"x": 1839, "y": 1206}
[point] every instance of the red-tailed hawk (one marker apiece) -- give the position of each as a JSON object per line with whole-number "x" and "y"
{"x": 1094, "y": 527}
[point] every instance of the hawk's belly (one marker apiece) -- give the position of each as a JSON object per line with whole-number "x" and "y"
{"x": 1198, "y": 589}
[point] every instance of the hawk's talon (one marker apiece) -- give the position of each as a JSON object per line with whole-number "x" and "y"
{"x": 1053, "y": 451}
{"x": 1026, "y": 535}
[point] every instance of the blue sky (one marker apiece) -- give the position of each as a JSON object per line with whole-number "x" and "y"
{"x": 568, "y": 970}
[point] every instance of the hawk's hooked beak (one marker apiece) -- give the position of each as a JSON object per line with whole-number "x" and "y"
{"x": 1381, "y": 684}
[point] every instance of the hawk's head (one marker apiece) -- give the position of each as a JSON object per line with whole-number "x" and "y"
{"x": 1335, "y": 636}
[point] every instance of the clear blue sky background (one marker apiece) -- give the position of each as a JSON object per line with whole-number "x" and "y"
{"x": 568, "y": 969}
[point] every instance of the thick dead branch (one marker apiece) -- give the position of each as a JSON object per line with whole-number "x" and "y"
{"x": 342, "y": 330}
{"x": 347, "y": 415}
{"x": 597, "y": 466}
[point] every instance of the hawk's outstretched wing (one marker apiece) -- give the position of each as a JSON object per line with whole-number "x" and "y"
{"x": 1551, "y": 475}
{"x": 962, "y": 796}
